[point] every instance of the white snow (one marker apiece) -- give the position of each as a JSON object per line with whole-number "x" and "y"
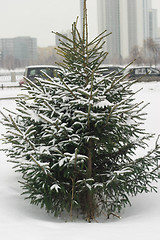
{"x": 55, "y": 186}
{"x": 103, "y": 104}
{"x": 20, "y": 220}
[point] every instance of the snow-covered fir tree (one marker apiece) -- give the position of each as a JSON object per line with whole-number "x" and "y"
{"x": 74, "y": 137}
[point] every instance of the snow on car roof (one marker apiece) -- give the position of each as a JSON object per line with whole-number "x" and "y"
{"x": 42, "y": 66}
{"x": 142, "y": 67}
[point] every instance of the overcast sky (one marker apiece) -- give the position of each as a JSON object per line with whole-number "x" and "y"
{"x": 37, "y": 18}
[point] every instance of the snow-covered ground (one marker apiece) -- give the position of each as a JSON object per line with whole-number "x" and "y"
{"x": 20, "y": 220}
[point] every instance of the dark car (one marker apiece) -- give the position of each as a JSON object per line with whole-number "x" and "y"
{"x": 144, "y": 73}
{"x": 33, "y": 72}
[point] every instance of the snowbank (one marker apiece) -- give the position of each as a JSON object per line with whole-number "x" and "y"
{"x": 20, "y": 220}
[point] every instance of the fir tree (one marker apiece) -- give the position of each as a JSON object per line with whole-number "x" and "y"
{"x": 74, "y": 137}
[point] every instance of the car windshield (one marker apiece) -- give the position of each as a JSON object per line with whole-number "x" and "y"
{"x": 37, "y": 72}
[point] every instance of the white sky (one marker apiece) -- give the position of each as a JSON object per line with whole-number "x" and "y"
{"x": 37, "y": 18}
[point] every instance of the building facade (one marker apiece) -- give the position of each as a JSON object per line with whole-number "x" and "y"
{"x": 17, "y": 52}
{"x": 130, "y": 24}
{"x": 81, "y": 15}
{"x": 109, "y": 18}
{"x": 153, "y": 28}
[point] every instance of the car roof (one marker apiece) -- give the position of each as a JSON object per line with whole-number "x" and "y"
{"x": 42, "y": 66}
{"x": 110, "y": 66}
{"x": 142, "y": 67}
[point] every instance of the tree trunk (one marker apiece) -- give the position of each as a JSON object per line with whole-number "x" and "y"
{"x": 90, "y": 195}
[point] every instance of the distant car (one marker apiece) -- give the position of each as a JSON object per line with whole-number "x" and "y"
{"x": 112, "y": 70}
{"x": 144, "y": 73}
{"x": 33, "y": 72}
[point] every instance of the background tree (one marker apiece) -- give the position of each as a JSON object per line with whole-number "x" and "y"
{"x": 152, "y": 51}
{"x": 74, "y": 137}
{"x": 137, "y": 54}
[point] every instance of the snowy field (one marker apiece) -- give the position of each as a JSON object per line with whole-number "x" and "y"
{"x": 21, "y": 221}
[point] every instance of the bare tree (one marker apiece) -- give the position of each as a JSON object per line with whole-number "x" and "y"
{"x": 137, "y": 55}
{"x": 152, "y": 51}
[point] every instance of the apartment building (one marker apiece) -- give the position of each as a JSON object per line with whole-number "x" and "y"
{"x": 153, "y": 28}
{"x": 17, "y": 52}
{"x": 130, "y": 24}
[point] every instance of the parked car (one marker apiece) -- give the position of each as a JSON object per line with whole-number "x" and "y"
{"x": 144, "y": 73}
{"x": 33, "y": 72}
{"x": 113, "y": 70}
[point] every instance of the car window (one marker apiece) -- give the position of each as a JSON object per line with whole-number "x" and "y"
{"x": 36, "y": 72}
{"x": 48, "y": 71}
{"x": 139, "y": 71}
{"x": 153, "y": 71}
{"x": 114, "y": 69}
{"x": 107, "y": 70}
{"x": 32, "y": 72}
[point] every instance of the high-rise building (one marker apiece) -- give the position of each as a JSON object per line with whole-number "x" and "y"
{"x": 153, "y": 28}
{"x": 110, "y": 18}
{"x": 130, "y": 24}
{"x": 18, "y": 52}
{"x": 25, "y": 50}
{"x": 135, "y": 20}
{"x": 81, "y": 14}
{"x": 146, "y": 9}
